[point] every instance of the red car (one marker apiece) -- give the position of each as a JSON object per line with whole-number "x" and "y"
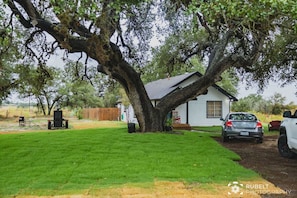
{"x": 274, "y": 125}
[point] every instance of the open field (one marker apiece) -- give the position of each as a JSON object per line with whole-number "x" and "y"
{"x": 9, "y": 120}
{"x": 14, "y": 111}
{"x": 39, "y": 124}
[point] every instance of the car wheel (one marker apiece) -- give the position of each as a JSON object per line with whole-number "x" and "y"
{"x": 225, "y": 138}
{"x": 283, "y": 147}
{"x": 259, "y": 140}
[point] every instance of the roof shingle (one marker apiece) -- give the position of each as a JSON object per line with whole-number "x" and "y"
{"x": 160, "y": 88}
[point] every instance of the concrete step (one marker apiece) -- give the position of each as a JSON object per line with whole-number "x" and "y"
{"x": 181, "y": 126}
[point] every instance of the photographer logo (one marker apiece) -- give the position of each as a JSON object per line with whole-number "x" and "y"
{"x": 235, "y": 188}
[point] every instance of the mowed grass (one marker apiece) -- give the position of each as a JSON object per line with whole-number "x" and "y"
{"x": 73, "y": 161}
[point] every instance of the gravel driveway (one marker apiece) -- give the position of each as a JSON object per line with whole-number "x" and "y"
{"x": 265, "y": 159}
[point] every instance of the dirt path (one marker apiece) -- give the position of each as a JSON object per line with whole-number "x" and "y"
{"x": 166, "y": 189}
{"x": 265, "y": 159}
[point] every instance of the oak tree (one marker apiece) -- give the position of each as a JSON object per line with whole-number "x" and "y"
{"x": 236, "y": 34}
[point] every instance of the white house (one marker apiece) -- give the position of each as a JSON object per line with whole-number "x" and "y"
{"x": 205, "y": 110}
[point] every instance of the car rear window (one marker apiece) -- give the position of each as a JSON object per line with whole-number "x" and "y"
{"x": 241, "y": 116}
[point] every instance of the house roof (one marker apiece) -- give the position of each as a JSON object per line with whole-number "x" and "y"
{"x": 160, "y": 88}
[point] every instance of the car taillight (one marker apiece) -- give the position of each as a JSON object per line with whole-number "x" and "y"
{"x": 229, "y": 123}
{"x": 259, "y": 125}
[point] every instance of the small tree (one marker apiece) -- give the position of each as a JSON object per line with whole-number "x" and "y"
{"x": 79, "y": 94}
{"x": 41, "y": 82}
{"x": 82, "y": 87}
{"x": 277, "y": 103}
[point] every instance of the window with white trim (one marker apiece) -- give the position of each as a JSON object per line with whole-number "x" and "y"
{"x": 214, "y": 109}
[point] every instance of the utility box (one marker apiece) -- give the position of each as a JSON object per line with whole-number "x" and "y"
{"x": 58, "y": 118}
{"x": 58, "y": 122}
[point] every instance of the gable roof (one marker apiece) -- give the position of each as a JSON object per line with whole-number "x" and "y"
{"x": 160, "y": 88}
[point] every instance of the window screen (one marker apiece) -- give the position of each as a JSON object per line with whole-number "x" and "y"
{"x": 214, "y": 109}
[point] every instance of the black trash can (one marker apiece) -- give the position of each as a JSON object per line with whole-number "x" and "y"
{"x": 66, "y": 124}
{"x": 131, "y": 128}
{"x": 49, "y": 124}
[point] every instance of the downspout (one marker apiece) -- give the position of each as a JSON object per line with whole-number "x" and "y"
{"x": 229, "y": 105}
{"x": 187, "y": 113}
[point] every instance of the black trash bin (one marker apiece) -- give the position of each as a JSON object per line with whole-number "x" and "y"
{"x": 131, "y": 128}
{"x": 66, "y": 124}
{"x": 49, "y": 124}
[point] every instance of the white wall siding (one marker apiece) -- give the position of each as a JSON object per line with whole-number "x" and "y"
{"x": 182, "y": 112}
{"x": 197, "y": 112}
{"x": 127, "y": 113}
{"x": 197, "y": 109}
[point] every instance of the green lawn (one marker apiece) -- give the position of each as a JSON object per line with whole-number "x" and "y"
{"x": 71, "y": 161}
{"x": 211, "y": 129}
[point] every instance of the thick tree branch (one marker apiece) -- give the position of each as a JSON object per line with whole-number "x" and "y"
{"x": 25, "y": 22}
{"x": 203, "y": 22}
{"x": 218, "y": 52}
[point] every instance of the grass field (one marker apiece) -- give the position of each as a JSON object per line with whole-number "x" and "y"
{"x": 72, "y": 161}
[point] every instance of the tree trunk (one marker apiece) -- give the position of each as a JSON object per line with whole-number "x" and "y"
{"x": 149, "y": 118}
{"x": 41, "y": 105}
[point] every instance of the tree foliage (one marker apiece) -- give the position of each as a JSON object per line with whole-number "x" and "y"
{"x": 10, "y": 52}
{"x": 82, "y": 88}
{"x": 180, "y": 54}
{"x": 58, "y": 87}
{"x": 275, "y": 104}
{"x": 79, "y": 94}
{"x": 42, "y": 83}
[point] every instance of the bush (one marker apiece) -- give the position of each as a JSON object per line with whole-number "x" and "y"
{"x": 79, "y": 114}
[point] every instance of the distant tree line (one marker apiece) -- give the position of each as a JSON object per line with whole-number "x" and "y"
{"x": 274, "y": 105}
{"x": 70, "y": 86}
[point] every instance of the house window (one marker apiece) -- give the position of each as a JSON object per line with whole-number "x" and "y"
{"x": 214, "y": 109}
